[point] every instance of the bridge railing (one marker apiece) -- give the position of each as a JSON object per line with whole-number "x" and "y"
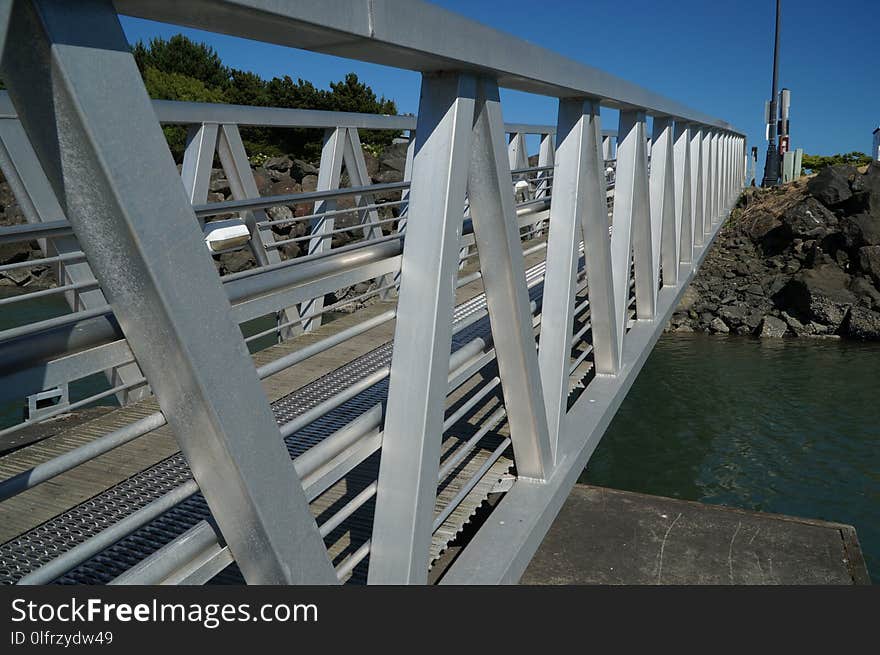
{"x": 606, "y": 291}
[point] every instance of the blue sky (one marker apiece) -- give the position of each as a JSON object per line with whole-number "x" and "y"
{"x": 712, "y": 56}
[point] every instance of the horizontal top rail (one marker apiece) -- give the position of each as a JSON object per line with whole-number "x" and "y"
{"x": 176, "y": 112}
{"x": 416, "y": 36}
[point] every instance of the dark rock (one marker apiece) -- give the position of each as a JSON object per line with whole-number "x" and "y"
{"x": 235, "y": 262}
{"x": 862, "y": 324}
{"x": 372, "y": 163}
{"x": 832, "y": 185}
{"x": 301, "y": 168}
{"x": 869, "y": 262}
{"x": 772, "y": 327}
{"x": 286, "y": 186}
{"x": 717, "y": 325}
{"x": 819, "y": 294}
{"x": 861, "y": 230}
{"x": 309, "y": 183}
{"x": 733, "y": 315}
{"x": 282, "y": 164}
{"x": 867, "y": 294}
{"x": 866, "y": 193}
{"x": 393, "y": 158}
{"x": 808, "y": 219}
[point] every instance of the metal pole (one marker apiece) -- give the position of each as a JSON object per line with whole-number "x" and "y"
{"x": 771, "y": 165}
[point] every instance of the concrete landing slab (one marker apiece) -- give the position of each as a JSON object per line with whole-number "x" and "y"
{"x": 606, "y": 536}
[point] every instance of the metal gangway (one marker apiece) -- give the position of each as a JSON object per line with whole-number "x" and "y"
{"x": 411, "y": 406}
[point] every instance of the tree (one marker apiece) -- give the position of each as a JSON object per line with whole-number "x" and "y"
{"x": 181, "y": 69}
{"x": 184, "y": 56}
{"x": 815, "y": 163}
{"x": 164, "y": 85}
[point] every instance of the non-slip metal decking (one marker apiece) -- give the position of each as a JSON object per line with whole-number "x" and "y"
{"x": 41, "y": 544}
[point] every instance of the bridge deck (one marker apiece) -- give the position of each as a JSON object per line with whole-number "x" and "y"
{"x": 154, "y": 458}
{"x": 605, "y": 536}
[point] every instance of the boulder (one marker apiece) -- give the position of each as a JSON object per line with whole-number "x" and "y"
{"x": 719, "y": 326}
{"x": 688, "y": 299}
{"x": 309, "y": 183}
{"x": 733, "y": 315}
{"x": 772, "y": 327}
{"x": 393, "y": 158}
{"x": 867, "y": 294}
{"x": 372, "y": 163}
{"x": 865, "y": 193}
{"x": 301, "y": 168}
{"x": 831, "y": 186}
{"x": 808, "y": 219}
{"x": 821, "y": 294}
{"x": 861, "y": 230}
{"x": 869, "y": 262}
{"x": 282, "y": 164}
{"x": 862, "y": 324}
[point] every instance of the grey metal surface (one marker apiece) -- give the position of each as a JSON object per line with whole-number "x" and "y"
{"x": 162, "y": 289}
{"x": 414, "y": 35}
{"x": 357, "y": 513}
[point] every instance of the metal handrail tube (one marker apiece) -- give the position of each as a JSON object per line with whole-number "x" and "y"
{"x": 316, "y": 412}
{"x": 30, "y": 231}
{"x": 326, "y": 449}
{"x": 330, "y": 212}
{"x": 456, "y": 416}
{"x": 42, "y": 293}
{"x": 331, "y": 233}
{"x": 470, "y": 484}
{"x": 353, "y": 560}
{"x": 24, "y": 346}
{"x": 27, "y": 263}
{"x": 323, "y": 310}
{"x": 456, "y": 458}
{"x": 580, "y": 359}
{"x": 194, "y": 541}
{"x": 109, "y": 536}
{"x": 73, "y": 458}
{"x": 80, "y": 403}
{"x": 348, "y": 509}
{"x": 264, "y": 202}
{"x": 324, "y": 344}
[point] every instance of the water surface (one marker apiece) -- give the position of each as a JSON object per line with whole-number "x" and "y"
{"x": 782, "y": 425}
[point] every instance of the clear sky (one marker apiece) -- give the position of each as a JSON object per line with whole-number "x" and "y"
{"x": 713, "y": 56}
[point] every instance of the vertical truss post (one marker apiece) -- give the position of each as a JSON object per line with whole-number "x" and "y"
{"x": 87, "y": 112}
{"x": 353, "y": 156}
{"x": 632, "y": 213}
{"x": 403, "y": 216}
{"x": 517, "y": 155}
{"x": 329, "y": 172}
{"x": 683, "y": 197}
{"x": 714, "y": 180}
{"x": 546, "y": 157}
{"x": 697, "y": 184}
{"x": 504, "y": 279}
{"x": 237, "y": 167}
{"x": 198, "y": 158}
{"x": 407, "y": 486}
{"x": 664, "y": 235}
{"x": 578, "y": 207}
{"x": 707, "y": 182}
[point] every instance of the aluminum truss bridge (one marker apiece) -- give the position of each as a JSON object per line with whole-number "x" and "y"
{"x": 505, "y": 306}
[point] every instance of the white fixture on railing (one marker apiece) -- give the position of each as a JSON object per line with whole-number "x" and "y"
{"x": 225, "y": 235}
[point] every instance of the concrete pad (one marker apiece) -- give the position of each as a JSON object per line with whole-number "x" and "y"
{"x": 606, "y": 536}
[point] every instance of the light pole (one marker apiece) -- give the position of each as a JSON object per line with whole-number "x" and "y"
{"x": 771, "y": 164}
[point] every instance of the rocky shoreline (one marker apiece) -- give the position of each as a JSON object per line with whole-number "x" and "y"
{"x": 274, "y": 176}
{"x": 799, "y": 260}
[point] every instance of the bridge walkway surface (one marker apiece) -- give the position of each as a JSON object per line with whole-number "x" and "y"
{"x": 71, "y": 507}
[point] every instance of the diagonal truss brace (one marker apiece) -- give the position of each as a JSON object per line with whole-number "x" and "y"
{"x": 87, "y": 111}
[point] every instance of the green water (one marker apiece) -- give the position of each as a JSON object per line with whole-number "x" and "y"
{"x": 785, "y": 426}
